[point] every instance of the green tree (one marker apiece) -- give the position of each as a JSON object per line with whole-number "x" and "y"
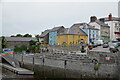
{"x": 17, "y": 49}
{"x": 19, "y": 35}
{"x": 27, "y": 35}
{"x": 12, "y": 36}
{"x": 23, "y": 47}
{"x": 3, "y": 42}
{"x": 37, "y": 37}
{"x": 32, "y": 42}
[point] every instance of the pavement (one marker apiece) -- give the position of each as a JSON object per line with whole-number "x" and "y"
{"x": 101, "y": 49}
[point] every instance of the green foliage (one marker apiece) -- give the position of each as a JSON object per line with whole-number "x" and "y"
{"x": 19, "y": 35}
{"x": 32, "y": 42}
{"x": 12, "y": 36}
{"x": 34, "y": 48}
{"x": 37, "y": 37}
{"x": 20, "y": 49}
{"x": 27, "y": 35}
{"x": 82, "y": 49}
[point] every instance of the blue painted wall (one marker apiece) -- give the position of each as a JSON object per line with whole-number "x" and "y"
{"x": 92, "y": 33}
{"x": 52, "y": 37}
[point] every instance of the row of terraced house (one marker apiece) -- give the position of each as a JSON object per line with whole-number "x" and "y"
{"x": 106, "y": 29}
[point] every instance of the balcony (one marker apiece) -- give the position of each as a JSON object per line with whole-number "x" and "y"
{"x": 117, "y": 32}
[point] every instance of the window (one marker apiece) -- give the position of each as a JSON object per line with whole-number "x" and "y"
{"x": 115, "y": 24}
{"x": 93, "y": 35}
{"x": 73, "y": 36}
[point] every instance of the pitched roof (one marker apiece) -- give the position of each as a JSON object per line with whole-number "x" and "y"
{"x": 73, "y": 28}
{"x": 113, "y": 19}
{"x": 45, "y": 33}
{"x": 20, "y": 38}
{"x": 56, "y": 28}
{"x": 101, "y": 23}
{"x": 49, "y": 30}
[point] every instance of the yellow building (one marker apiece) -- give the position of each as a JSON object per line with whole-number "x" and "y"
{"x": 71, "y": 39}
{"x": 73, "y": 35}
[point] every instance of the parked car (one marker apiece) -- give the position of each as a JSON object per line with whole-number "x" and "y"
{"x": 90, "y": 47}
{"x": 94, "y": 45}
{"x": 99, "y": 42}
{"x": 113, "y": 49}
{"x": 118, "y": 43}
{"x": 105, "y": 45}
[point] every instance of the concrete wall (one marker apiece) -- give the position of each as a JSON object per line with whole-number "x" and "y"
{"x": 75, "y": 65}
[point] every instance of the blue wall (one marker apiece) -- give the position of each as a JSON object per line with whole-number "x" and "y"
{"x": 93, "y": 34}
{"x": 52, "y": 37}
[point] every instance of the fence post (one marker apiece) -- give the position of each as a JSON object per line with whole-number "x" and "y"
{"x": 22, "y": 57}
{"x": 65, "y": 63}
{"x": 33, "y": 63}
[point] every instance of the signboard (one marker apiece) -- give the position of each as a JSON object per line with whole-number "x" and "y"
{"x": 7, "y": 51}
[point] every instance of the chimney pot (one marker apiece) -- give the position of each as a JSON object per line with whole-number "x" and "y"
{"x": 93, "y": 18}
{"x": 110, "y": 16}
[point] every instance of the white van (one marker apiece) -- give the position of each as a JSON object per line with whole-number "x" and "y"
{"x": 99, "y": 42}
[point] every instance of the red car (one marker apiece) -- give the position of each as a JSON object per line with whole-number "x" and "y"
{"x": 90, "y": 47}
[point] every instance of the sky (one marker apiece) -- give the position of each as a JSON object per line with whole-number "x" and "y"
{"x": 33, "y": 17}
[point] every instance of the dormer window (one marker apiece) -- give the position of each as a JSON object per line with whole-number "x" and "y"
{"x": 115, "y": 24}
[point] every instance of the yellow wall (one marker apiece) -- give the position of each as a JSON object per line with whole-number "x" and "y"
{"x": 69, "y": 38}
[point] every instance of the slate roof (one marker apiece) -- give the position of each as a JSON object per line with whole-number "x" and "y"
{"x": 20, "y": 38}
{"x": 113, "y": 19}
{"x": 56, "y": 28}
{"x": 101, "y": 23}
{"x": 49, "y": 30}
{"x": 45, "y": 33}
{"x": 72, "y": 29}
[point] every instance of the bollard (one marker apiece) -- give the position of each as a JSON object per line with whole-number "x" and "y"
{"x": 33, "y": 63}
{"x": 22, "y": 58}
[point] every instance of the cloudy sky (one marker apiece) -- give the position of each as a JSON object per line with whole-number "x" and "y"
{"x": 34, "y": 17}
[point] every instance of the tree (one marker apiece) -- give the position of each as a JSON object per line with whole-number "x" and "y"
{"x": 23, "y": 47}
{"x": 20, "y": 49}
{"x": 3, "y": 42}
{"x": 27, "y": 35}
{"x": 12, "y": 36}
{"x": 32, "y": 42}
{"x": 37, "y": 37}
{"x": 19, "y": 35}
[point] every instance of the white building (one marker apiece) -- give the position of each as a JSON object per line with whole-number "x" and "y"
{"x": 114, "y": 23}
{"x": 104, "y": 29}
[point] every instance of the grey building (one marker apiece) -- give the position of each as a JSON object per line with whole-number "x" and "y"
{"x": 18, "y": 41}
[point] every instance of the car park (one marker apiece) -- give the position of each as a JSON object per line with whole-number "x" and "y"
{"x": 105, "y": 45}
{"x": 113, "y": 49}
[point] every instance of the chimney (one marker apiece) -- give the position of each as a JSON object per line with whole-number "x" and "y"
{"x": 102, "y": 20}
{"x": 93, "y": 18}
{"x": 110, "y": 16}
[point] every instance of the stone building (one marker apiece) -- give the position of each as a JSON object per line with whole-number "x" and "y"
{"x": 18, "y": 41}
